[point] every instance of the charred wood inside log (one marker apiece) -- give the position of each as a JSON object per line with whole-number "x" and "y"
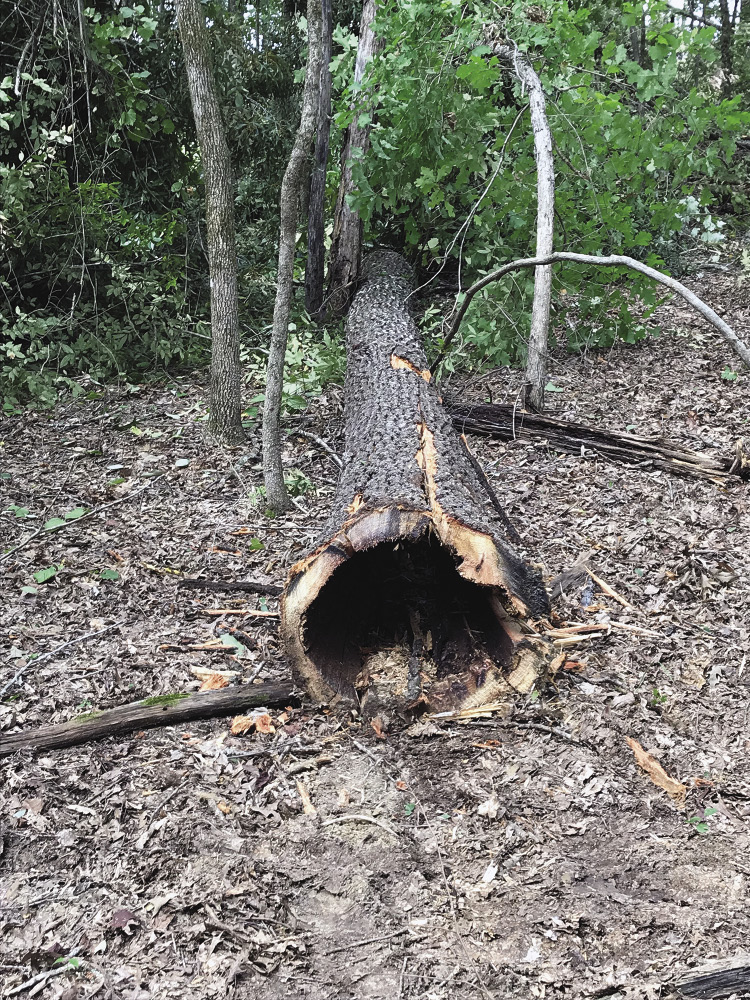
{"x": 414, "y": 593}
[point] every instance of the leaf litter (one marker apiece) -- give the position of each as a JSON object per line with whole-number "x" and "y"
{"x": 512, "y": 854}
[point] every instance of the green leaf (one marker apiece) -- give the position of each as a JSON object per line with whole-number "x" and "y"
{"x": 43, "y": 575}
{"x": 109, "y": 574}
{"x": 256, "y": 545}
{"x": 229, "y": 640}
{"x": 29, "y": 591}
{"x": 167, "y": 126}
{"x": 434, "y": 243}
{"x": 728, "y": 375}
{"x": 549, "y": 387}
{"x": 54, "y": 522}
{"x": 73, "y": 515}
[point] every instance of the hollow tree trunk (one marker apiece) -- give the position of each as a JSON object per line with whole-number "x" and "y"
{"x": 347, "y": 225}
{"x": 316, "y": 250}
{"x": 225, "y": 420}
{"x": 414, "y": 593}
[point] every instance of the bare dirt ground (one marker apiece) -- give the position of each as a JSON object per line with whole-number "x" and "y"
{"x": 515, "y": 856}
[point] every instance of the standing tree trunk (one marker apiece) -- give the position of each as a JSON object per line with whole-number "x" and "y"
{"x": 726, "y": 46}
{"x": 416, "y": 546}
{"x": 315, "y": 270}
{"x": 536, "y": 363}
{"x": 273, "y": 472}
{"x": 225, "y": 421}
{"x": 346, "y": 247}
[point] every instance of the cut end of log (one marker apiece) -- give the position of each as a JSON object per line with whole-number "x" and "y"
{"x": 409, "y": 609}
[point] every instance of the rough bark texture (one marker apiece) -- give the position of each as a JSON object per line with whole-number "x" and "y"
{"x": 273, "y": 472}
{"x": 414, "y": 550}
{"x": 509, "y": 423}
{"x": 315, "y": 269}
{"x": 225, "y": 420}
{"x": 166, "y": 710}
{"x": 346, "y": 247}
{"x": 536, "y": 363}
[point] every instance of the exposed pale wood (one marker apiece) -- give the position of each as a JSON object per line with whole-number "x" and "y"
{"x": 148, "y": 714}
{"x": 507, "y": 422}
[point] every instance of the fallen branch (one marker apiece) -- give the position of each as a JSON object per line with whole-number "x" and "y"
{"x": 613, "y": 260}
{"x": 249, "y": 586}
{"x": 508, "y": 423}
{"x": 162, "y": 710}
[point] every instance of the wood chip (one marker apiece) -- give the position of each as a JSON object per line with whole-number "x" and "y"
{"x": 674, "y": 789}
{"x": 214, "y": 682}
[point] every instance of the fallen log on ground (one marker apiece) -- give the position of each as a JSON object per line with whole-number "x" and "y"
{"x": 414, "y": 593}
{"x": 162, "y": 710}
{"x": 505, "y": 421}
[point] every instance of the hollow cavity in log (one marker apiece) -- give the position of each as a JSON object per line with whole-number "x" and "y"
{"x": 414, "y": 594}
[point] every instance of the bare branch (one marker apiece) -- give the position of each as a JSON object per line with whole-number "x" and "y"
{"x": 614, "y": 260}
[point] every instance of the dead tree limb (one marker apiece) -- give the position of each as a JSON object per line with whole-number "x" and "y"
{"x": 273, "y": 472}
{"x": 613, "y": 260}
{"x": 415, "y": 555}
{"x": 163, "y": 710}
{"x": 536, "y": 359}
{"x": 508, "y": 423}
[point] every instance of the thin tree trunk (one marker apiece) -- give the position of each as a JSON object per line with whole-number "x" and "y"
{"x": 536, "y": 362}
{"x": 726, "y": 46}
{"x": 416, "y": 543}
{"x": 225, "y": 420}
{"x": 273, "y": 472}
{"x": 346, "y": 247}
{"x": 315, "y": 270}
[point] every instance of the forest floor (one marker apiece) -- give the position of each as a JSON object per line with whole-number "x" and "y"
{"x": 516, "y": 856}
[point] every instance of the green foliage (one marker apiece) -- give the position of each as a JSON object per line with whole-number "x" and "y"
{"x": 700, "y": 823}
{"x": 642, "y": 156}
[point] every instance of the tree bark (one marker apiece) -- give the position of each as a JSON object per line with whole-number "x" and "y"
{"x": 346, "y": 247}
{"x": 536, "y": 359}
{"x": 414, "y": 594}
{"x": 273, "y": 473}
{"x": 316, "y": 252}
{"x": 225, "y": 420}
{"x": 726, "y": 46}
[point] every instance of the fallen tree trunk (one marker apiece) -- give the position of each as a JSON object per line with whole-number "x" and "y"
{"x": 163, "y": 710}
{"x": 414, "y": 594}
{"x": 505, "y": 421}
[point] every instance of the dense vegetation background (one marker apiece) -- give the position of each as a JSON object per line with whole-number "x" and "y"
{"x": 104, "y": 270}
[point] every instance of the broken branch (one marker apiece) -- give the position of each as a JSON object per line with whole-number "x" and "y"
{"x": 162, "y": 710}
{"x": 613, "y": 260}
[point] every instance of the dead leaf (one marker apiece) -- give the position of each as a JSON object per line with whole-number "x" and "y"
{"x": 401, "y": 785}
{"x": 377, "y": 725}
{"x": 122, "y": 919}
{"x": 224, "y": 807}
{"x": 213, "y": 682}
{"x": 490, "y": 807}
{"x": 241, "y": 724}
{"x": 674, "y": 789}
{"x": 264, "y": 723}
